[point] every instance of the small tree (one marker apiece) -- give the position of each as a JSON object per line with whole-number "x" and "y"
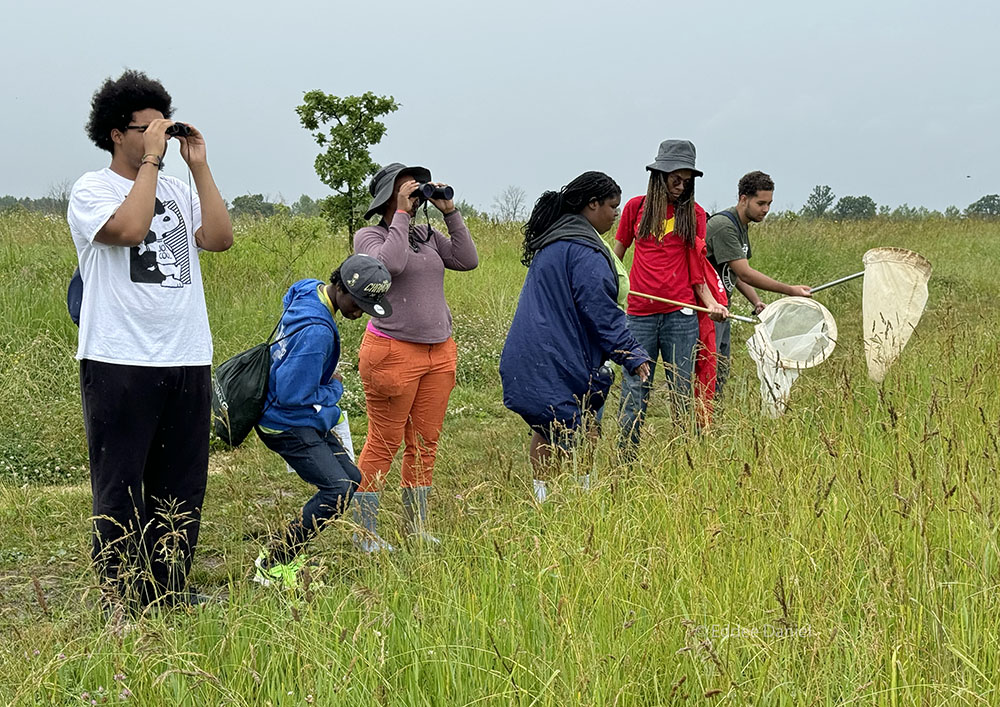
{"x": 305, "y": 206}
{"x": 818, "y": 202}
{"x": 855, "y": 208}
{"x": 254, "y": 205}
{"x": 469, "y": 211}
{"x": 904, "y": 212}
{"x": 986, "y": 207}
{"x": 510, "y": 204}
{"x": 952, "y": 213}
{"x": 59, "y": 196}
{"x": 346, "y": 127}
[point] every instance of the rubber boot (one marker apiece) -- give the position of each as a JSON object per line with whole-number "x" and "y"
{"x": 415, "y": 513}
{"x": 364, "y": 507}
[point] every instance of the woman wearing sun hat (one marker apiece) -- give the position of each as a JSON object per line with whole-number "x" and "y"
{"x": 664, "y": 225}
{"x": 407, "y": 360}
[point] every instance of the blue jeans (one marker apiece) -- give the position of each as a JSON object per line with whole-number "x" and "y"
{"x": 672, "y": 337}
{"x": 723, "y": 331}
{"x": 319, "y": 459}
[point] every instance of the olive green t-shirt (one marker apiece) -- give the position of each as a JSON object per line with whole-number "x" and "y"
{"x": 727, "y": 241}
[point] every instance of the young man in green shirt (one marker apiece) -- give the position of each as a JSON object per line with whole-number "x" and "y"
{"x": 728, "y": 241}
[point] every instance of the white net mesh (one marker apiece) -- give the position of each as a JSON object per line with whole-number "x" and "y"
{"x": 895, "y": 294}
{"x": 794, "y": 333}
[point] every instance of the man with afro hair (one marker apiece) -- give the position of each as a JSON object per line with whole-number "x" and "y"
{"x": 145, "y": 348}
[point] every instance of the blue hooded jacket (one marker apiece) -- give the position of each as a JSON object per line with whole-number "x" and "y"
{"x": 301, "y": 391}
{"x": 566, "y": 325}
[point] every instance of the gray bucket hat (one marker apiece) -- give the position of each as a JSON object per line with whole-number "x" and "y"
{"x": 674, "y": 155}
{"x": 381, "y": 185}
{"x": 367, "y": 280}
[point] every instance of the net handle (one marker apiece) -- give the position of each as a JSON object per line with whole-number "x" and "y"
{"x": 814, "y": 290}
{"x": 737, "y": 317}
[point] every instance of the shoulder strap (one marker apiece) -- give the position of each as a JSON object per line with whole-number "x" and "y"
{"x": 277, "y": 324}
{"x": 292, "y": 333}
{"x": 731, "y": 216}
{"x": 270, "y": 341}
{"x": 728, "y": 214}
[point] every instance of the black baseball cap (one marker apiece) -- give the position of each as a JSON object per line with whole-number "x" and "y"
{"x": 366, "y": 280}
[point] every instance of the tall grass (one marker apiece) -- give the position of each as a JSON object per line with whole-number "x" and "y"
{"x": 843, "y": 554}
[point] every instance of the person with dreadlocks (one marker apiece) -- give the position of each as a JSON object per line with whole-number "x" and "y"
{"x": 568, "y": 320}
{"x": 666, "y": 226}
{"x": 407, "y": 362}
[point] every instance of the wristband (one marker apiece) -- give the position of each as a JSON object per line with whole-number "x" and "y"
{"x": 155, "y": 164}
{"x": 159, "y": 158}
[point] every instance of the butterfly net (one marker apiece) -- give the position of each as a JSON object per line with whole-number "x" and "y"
{"x": 794, "y": 333}
{"x": 895, "y": 294}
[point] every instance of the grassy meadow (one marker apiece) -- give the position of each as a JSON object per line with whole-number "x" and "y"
{"x": 844, "y": 554}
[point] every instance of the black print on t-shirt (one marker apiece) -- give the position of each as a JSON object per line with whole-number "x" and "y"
{"x": 163, "y": 257}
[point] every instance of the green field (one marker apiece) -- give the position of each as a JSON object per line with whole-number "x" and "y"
{"x": 843, "y": 554}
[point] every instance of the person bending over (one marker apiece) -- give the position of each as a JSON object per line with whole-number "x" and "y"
{"x": 568, "y": 321}
{"x": 303, "y": 402}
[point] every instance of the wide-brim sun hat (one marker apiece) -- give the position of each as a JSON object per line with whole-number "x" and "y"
{"x": 674, "y": 155}
{"x": 382, "y": 183}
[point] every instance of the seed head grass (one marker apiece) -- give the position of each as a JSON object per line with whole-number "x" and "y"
{"x": 845, "y": 553}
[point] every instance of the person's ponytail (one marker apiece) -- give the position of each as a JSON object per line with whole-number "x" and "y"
{"x": 549, "y": 207}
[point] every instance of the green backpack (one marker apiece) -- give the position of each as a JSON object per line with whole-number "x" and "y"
{"x": 239, "y": 389}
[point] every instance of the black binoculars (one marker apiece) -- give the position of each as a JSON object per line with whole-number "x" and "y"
{"x": 178, "y": 130}
{"x": 427, "y": 191}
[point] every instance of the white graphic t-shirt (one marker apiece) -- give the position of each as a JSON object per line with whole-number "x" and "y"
{"x": 144, "y": 305}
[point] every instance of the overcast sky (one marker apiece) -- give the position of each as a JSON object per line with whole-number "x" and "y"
{"x": 897, "y": 100}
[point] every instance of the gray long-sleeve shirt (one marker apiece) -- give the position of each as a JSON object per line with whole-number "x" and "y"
{"x": 420, "y": 313}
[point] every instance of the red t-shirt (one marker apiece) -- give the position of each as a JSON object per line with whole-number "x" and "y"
{"x": 666, "y": 267}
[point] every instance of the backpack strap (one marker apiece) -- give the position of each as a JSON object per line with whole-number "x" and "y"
{"x": 731, "y": 216}
{"x": 276, "y": 325}
{"x": 269, "y": 343}
{"x": 293, "y": 333}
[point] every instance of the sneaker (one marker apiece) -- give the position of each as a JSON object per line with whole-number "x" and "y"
{"x": 369, "y": 543}
{"x": 284, "y": 575}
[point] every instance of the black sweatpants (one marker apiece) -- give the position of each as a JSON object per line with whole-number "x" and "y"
{"x": 147, "y": 433}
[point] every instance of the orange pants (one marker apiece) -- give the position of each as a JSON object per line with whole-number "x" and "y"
{"x": 407, "y": 387}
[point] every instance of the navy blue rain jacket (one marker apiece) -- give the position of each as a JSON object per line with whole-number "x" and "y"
{"x": 566, "y": 325}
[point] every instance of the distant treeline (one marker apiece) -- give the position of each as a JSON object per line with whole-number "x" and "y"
{"x": 822, "y": 203}
{"x": 45, "y": 205}
{"x": 257, "y": 205}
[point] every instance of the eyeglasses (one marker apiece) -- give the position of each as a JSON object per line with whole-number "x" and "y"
{"x": 673, "y": 179}
{"x": 140, "y": 128}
